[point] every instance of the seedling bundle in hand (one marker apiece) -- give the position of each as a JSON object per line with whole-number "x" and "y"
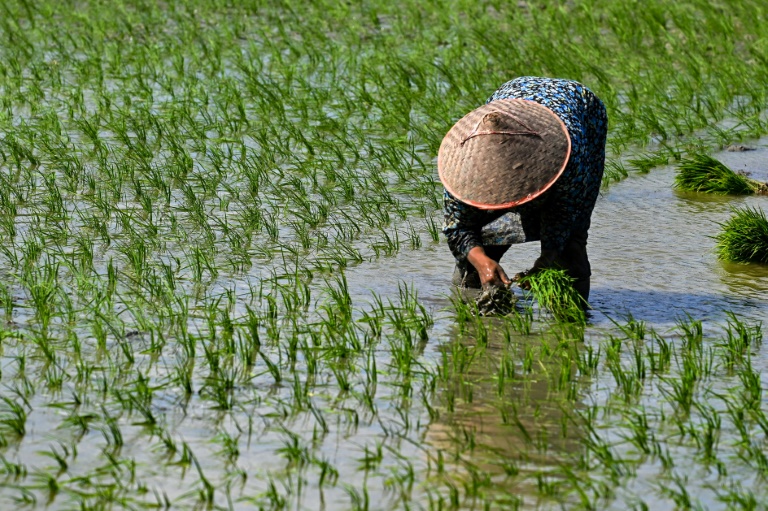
{"x": 553, "y": 289}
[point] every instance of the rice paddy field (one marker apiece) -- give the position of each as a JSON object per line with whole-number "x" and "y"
{"x": 223, "y": 283}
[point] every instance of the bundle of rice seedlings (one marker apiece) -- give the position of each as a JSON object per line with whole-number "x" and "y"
{"x": 702, "y": 173}
{"x": 553, "y": 289}
{"x": 744, "y": 238}
{"x": 495, "y": 301}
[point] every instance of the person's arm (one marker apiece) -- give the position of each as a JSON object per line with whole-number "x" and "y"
{"x": 462, "y": 227}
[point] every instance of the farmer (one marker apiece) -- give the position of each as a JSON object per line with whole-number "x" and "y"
{"x": 526, "y": 166}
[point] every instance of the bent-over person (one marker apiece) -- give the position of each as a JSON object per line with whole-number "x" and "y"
{"x": 526, "y": 166}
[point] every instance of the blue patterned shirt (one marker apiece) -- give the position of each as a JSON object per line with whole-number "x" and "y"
{"x": 563, "y": 209}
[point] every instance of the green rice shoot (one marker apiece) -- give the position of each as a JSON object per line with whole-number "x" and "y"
{"x": 553, "y": 289}
{"x": 703, "y": 173}
{"x": 197, "y": 196}
{"x": 744, "y": 238}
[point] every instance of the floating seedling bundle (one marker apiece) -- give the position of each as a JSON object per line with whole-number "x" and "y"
{"x": 744, "y": 238}
{"x": 703, "y": 173}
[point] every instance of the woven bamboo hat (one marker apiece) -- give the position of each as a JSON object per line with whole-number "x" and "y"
{"x": 503, "y": 154}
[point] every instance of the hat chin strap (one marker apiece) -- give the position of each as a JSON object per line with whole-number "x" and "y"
{"x": 475, "y": 133}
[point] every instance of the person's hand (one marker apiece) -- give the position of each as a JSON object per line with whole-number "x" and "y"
{"x": 520, "y": 278}
{"x": 491, "y": 272}
{"x": 545, "y": 260}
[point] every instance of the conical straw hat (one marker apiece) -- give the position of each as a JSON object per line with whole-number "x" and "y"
{"x": 503, "y": 154}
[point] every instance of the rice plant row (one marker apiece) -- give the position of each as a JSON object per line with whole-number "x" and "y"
{"x": 184, "y": 185}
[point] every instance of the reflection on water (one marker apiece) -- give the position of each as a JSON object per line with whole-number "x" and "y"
{"x": 507, "y": 409}
{"x": 744, "y": 279}
{"x": 652, "y": 253}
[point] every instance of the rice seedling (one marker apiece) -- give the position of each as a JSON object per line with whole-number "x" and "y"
{"x": 553, "y": 290}
{"x": 645, "y": 162}
{"x": 703, "y": 173}
{"x": 744, "y": 237}
{"x": 740, "y": 339}
{"x": 614, "y": 171}
{"x": 185, "y": 190}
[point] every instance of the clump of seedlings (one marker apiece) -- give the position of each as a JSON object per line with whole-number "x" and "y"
{"x": 553, "y": 289}
{"x": 495, "y": 301}
{"x": 744, "y": 238}
{"x": 703, "y": 173}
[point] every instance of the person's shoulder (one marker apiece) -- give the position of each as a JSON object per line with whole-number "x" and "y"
{"x": 520, "y": 81}
{"x": 530, "y": 86}
{"x": 511, "y": 89}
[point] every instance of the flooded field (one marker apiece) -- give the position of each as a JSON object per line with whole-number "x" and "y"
{"x": 223, "y": 283}
{"x": 655, "y": 273}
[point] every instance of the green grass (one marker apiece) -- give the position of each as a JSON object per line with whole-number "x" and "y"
{"x": 702, "y": 173}
{"x": 744, "y": 237}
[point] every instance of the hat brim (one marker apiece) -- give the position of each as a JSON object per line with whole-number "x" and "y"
{"x": 503, "y": 154}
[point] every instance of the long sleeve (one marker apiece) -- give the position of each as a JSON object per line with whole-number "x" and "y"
{"x": 461, "y": 226}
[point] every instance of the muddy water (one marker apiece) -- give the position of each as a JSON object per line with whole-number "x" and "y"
{"x": 652, "y": 256}
{"x": 650, "y": 247}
